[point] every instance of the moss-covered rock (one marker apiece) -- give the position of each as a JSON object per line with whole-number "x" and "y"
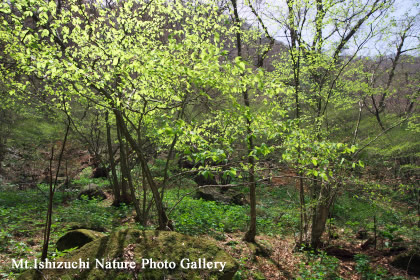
{"x": 77, "y": 238}
{"x": 221, "y": 194}
{"x": 137, "y": 249}
{"x": 92, "y": 191}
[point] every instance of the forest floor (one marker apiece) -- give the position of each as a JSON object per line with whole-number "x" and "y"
{"x": 274, "y": 256}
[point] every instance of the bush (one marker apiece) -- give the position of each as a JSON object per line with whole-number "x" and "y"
{"x": 364, "y": 268}
{"x": 193, "y": 216}
{"x": 318, "y": 266}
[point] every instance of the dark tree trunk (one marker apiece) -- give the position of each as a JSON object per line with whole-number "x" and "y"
{"x": 320, "y": 215}
{"x": 114, "y": 177}
{"x": 164, "y": 222}
{"x": 53, "y": 186}
{"x": 252, "y": 230}
{"x": 125, "y": 197}
{"x": 126, "y": 174}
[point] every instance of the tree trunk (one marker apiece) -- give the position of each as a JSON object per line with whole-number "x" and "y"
{"x": 114, "y": 181}
{"x": 320, "y": 215}
{"x": 53, "y": 185}
{"x": 303, "y": 216}
{"x": 129, "y": 179}
{"x": 164, "y": 222}
{"x": 359, "y": 118}
{"x": 252, "y": 230}
{"x": 125, "y": 197}
{"x": 2, "y": 153}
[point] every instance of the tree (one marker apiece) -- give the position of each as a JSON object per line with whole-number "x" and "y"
{"x": 323, "y": 39}
{"x": 53, "y": 185}
{"x": 137, "y": 60}
{"x": 384, "y": 71}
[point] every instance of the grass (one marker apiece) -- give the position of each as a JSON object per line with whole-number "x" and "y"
{"x": 22, "y": 218}
{"x": 22, "y": 215}
{"x": 195, "y": 217}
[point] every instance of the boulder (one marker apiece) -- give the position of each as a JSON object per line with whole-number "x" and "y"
{"x": 397, "y": 249}
{"x": 362, "y": 234}
{"x": 92, "y": 191}
{"x": 100, "y": 172}
{"x": 409, "y": 261}
{"x": 221, "y": 194}
{"x": 340, "y": 253}
{"x": 368, "y": 243}
{"x": 77, "y": 238}
{"x": 139, "y": 251}
{"x": 201, "y": 180}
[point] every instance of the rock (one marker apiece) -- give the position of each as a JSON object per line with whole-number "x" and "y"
{"x": 396, "y": 249}
{"x": 368, "y": 243}
{"x": 92, "y": 191}
{"x": 340, "y": 253}
{"x": 409, "y": 261}
{"x": 139, "y": 247}
{"x": 261, "y": 248}
{"x": 100, "y": 172}
{"x": 221, "y": 194}
{"x": 201, "y": 180}
{"x": 77, "y": 238}
{"x": 362, "y": 234}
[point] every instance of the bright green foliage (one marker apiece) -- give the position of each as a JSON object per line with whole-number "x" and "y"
{"x": 319, "y": 266}
{"x": 323, "y": 159}
{"x": 167, "y": 68}
{"x": 367, "y": 272}
{"x": 134, "y": 57}
{"x": 195, "y": 217}
{"x": 198, "y": 217}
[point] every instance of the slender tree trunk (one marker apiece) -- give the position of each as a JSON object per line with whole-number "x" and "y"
{"x": 359, "y": 118}
{"x": 374, "y": 231}
{"x": 295, "y": 56}
{"x": 145, "y": 213}
{"x": 125, "y": 197}
{"x": 418, "y": 207}
{"x": 2, "y": 152}
{"x": 53, "y": 185}
{"x": 252, "y": 230}
{"x": 114, "y": 180}
{"x": 47, "y": 227}
{"x": 164, "y": 222}
{"x": 377, "y": 114}
{"x": 303, "y": 215}
{"x": 129, "y": 179}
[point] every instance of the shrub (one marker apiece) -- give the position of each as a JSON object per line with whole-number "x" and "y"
{"x": 364, "y": 268}
{"x": 318, "y": 266}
